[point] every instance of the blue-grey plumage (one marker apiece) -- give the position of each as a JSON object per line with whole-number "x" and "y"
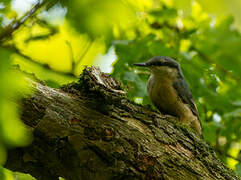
{"x": 169, "y": 91}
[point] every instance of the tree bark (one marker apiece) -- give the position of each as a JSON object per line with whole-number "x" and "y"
{"x": 90, "y": 130}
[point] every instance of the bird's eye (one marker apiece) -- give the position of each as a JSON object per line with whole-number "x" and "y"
{"x": 158, "y": 63}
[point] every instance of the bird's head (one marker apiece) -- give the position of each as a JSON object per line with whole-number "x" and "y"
{"x": 162, "y": 66}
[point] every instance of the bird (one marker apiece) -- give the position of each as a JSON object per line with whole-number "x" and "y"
{"x": 169, "y": 91}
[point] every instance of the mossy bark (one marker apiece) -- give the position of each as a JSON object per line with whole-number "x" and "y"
{"x": 90, "y": 130}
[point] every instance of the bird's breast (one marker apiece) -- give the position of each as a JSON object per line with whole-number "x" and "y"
{"x": 162, "y": 94}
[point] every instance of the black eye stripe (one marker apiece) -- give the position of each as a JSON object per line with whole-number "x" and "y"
{"x": 169, "y": 64}
{"x": 159, "y": 63}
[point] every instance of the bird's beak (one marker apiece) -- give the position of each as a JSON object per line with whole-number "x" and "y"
{"x": 141, "y": 64}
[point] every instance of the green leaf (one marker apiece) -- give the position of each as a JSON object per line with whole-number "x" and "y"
{"x": 160, "y": 49}
{"x": 209, "y": 131}
{"x": 164, "y": 13}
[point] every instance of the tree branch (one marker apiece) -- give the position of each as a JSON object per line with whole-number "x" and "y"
{"x": 90, "y": 130}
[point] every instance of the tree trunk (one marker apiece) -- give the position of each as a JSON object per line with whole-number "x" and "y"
{"x": 89, "y": 130}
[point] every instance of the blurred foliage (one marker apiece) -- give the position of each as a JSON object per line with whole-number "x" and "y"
{"x": 55, "y": 39}
{"x": 208, "y": 50}
{"x": 6, "y": 174}
{"x": 219, "y": 7}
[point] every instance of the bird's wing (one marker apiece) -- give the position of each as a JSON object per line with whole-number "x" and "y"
{"x": 184, "y": 92}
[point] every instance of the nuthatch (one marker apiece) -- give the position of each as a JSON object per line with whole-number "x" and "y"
{"x": 169, "y": 91}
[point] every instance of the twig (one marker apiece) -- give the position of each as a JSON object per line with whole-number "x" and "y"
{"x": 236, "y": 159}
{"x": 85, "y": 52}
{"x": 8, "y": 30}
{"x": 73, "y": 63}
